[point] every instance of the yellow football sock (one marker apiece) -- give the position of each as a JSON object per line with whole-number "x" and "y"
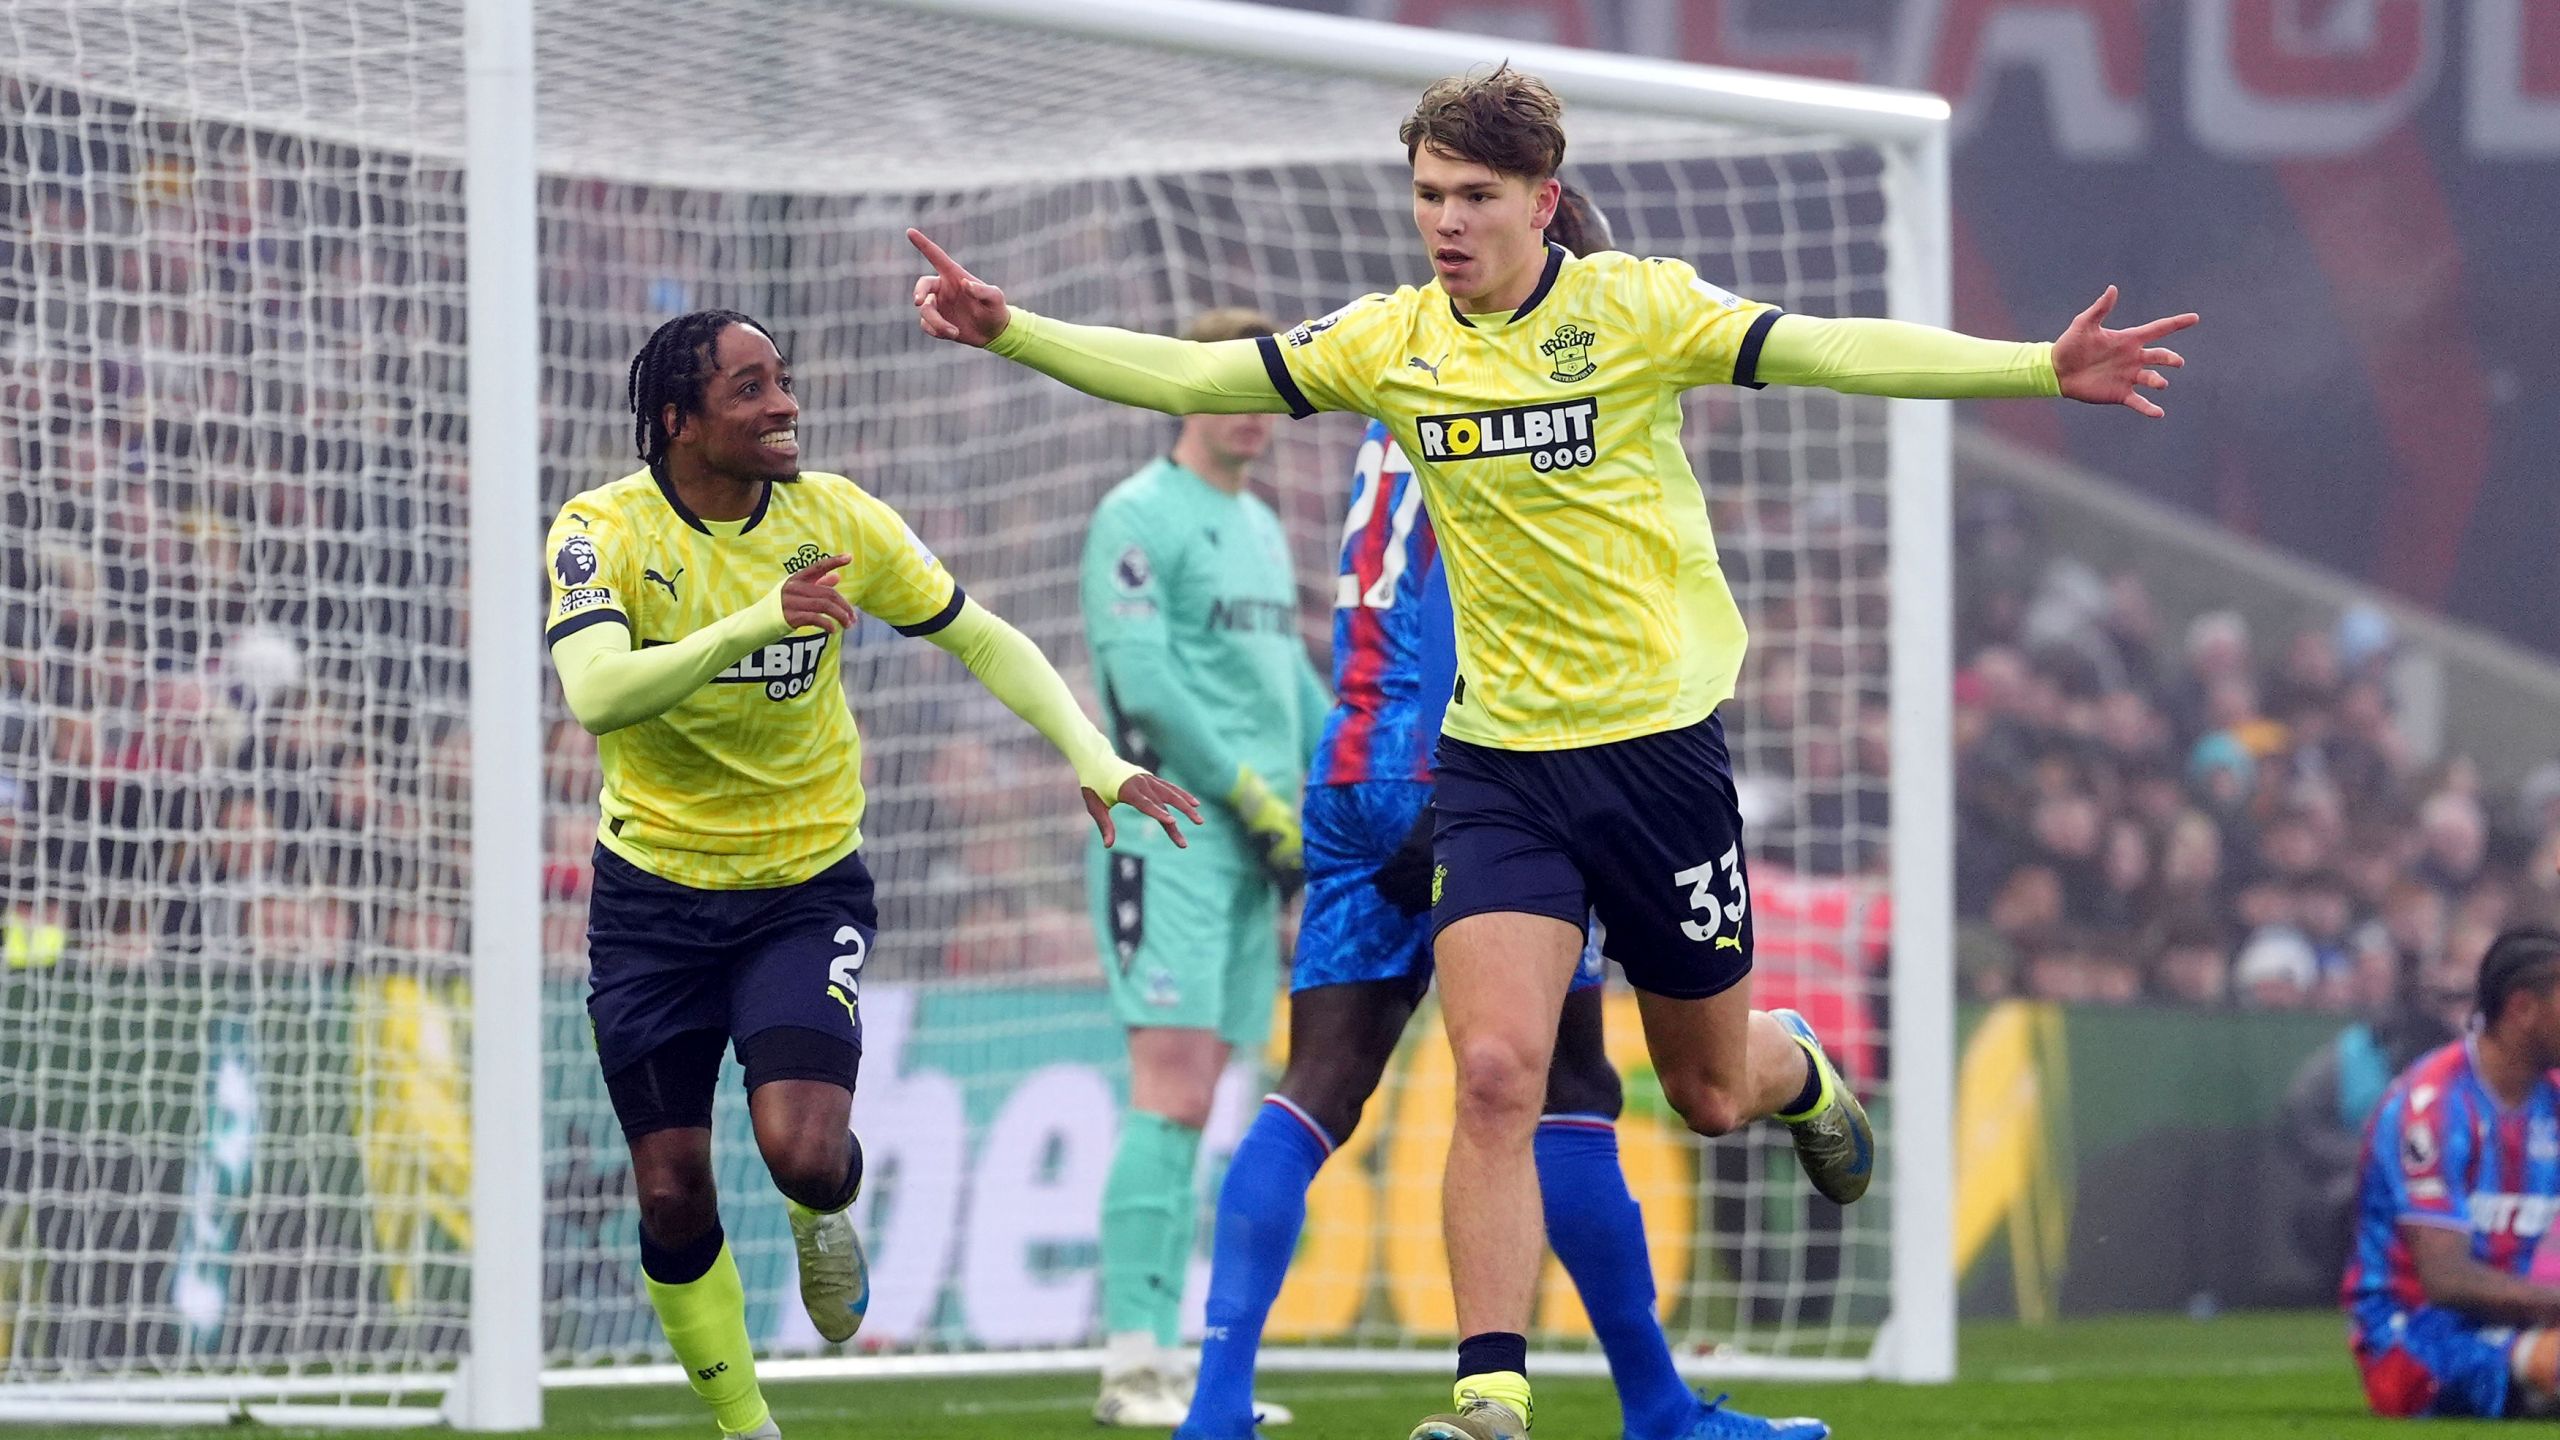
{"x": 706, "y": 1322}
{"x": 1508, "y": 1386}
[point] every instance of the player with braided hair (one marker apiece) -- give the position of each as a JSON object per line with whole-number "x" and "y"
{"x": 695, "y": 608}
{"x": 1364, "y": 961}
{"x": 669, "y": 371}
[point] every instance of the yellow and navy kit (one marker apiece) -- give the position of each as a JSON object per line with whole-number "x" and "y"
{"x": 755, "y": 779}
{"x": 1591, "y": 606}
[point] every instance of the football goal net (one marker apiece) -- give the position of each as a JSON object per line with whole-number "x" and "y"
{"x": 293, "y": 1056}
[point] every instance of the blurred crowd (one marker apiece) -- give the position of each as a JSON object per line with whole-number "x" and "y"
{"x": 231, "y": 631}
{"x": 2204, "y": 815}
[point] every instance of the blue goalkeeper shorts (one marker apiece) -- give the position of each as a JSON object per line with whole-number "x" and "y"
{"x": 1348, "y": 933}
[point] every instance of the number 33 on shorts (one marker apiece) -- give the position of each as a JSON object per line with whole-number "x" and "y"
{"x": 1716, "y": 915}
{"x": 844, "y": 973}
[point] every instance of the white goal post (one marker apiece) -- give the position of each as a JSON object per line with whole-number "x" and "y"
{"x": 298, "y": 1122}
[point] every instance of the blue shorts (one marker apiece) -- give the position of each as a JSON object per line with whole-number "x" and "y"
{"x": 1348, "y": 933}
{"x": 667, "y": 961}
{"x": 2430, "y": 1361}
{"x": 1643, "y": 833}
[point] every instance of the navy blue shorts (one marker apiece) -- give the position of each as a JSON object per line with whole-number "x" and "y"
{"x": 776, "y": 972}
{"x": 1643, "y": 833}
{"x": 1348, "y": 933}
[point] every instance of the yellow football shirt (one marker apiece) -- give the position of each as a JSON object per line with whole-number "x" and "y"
{"x": 1590, "y": 603}
{"x": 755, "y": 779}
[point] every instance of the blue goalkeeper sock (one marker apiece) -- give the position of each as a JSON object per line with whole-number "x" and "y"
{"x": 1598, "y": 1232}
{"x": 1261, "y": 1209}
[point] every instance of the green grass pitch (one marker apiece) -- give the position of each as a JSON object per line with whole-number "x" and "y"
{"x": 2240, "y": 1377}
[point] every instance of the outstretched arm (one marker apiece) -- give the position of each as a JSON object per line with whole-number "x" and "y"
{"x": 1014, "y": 671}
{"x": 610, "y": 685}
{"x": 1149, "y": 372}
{"x": 1889, "y": 357}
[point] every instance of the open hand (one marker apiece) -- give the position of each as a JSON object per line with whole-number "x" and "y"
{"x": 810, "y": 598}
{"x": 2113, "y": 367}
{"x": 1156, "y": 799}
{"x": 953, "y": 304}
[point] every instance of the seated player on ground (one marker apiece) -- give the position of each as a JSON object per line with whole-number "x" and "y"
{"x": 1364, "y": 961}
{"x": 2461, "y": 1178}
{"x": 695, "y": 609}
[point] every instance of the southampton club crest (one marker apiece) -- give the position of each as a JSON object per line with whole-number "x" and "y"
{"x": 1569, "y": 352}
{"x": 575, "y": 565}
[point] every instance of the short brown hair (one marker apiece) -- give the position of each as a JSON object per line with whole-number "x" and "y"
{"x": 1229, "y": 322}
{"x": 1507, "y": 121}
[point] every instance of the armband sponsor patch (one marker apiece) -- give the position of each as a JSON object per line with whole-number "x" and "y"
{"x": 1306, "y": 334}
{"x": 916, "y": 543}
{"x": 1717, "y": 293}
{"x": 2418, "y": 1151}
{"x": 586, "y": 597}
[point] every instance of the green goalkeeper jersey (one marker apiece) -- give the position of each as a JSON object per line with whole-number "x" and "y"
{"x": 1191, "y": 611}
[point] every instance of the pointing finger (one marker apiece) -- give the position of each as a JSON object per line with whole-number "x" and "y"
{"x": 942, "y": 261}
{"x": 2167, "y": 325}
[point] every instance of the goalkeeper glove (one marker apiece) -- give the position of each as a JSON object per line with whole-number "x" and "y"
{"x": 1272, "y": 825}
{"x": 1403, "y": 879}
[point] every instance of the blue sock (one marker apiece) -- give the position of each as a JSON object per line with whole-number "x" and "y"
{"x": 1598, "y": 1232}
{"x": 1261, "y": 1208}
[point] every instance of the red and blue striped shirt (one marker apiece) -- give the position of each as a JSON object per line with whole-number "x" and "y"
{"x": 2442, "y": 1151}
{"x": 1395, "y": 649}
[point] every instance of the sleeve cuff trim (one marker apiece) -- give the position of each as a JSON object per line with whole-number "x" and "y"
{"x": 941, "y": 617}
{"x": 1746, "y": 362}
{"x": 576, "y": 623}
{"x": 1281, "y": 380}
